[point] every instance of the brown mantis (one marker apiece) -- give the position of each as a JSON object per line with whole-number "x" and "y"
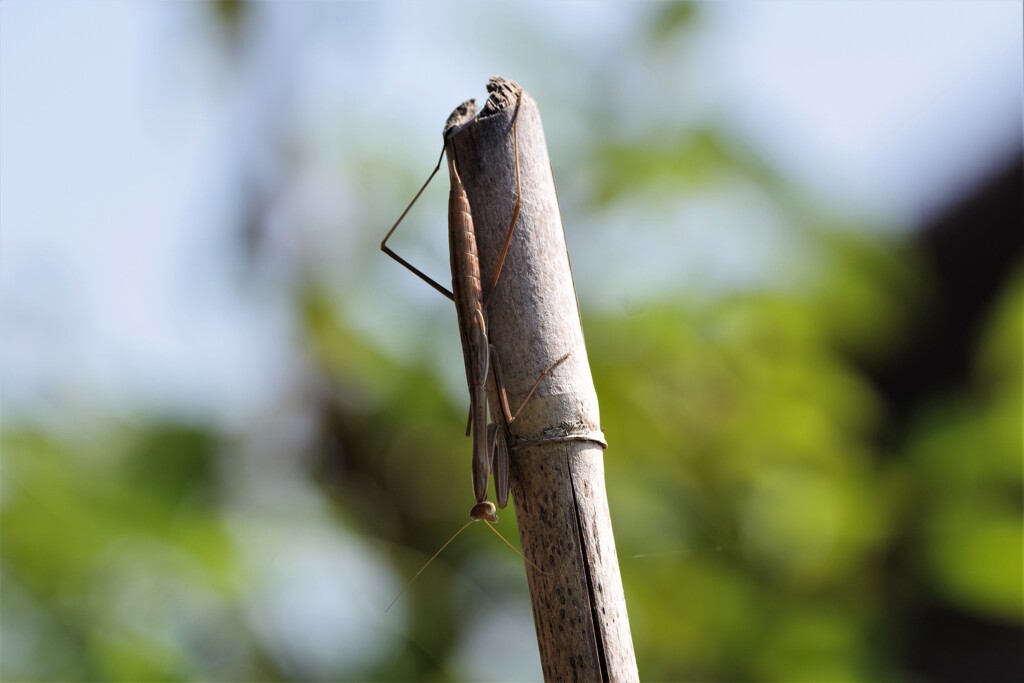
{"x": 490, "y": 440}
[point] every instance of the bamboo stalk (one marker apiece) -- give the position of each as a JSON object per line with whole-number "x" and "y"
{"x": 557, "y": 445}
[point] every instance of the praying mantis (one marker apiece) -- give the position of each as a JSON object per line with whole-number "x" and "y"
{"x": 490, "y": 440}
{"x": 574, "y": 581}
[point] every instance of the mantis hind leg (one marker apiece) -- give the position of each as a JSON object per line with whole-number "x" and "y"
{"x": 498, "y": 434}
{"x": 499, "y": 384}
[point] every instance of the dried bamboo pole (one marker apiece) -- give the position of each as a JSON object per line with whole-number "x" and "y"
{"x": 557, "y": 445}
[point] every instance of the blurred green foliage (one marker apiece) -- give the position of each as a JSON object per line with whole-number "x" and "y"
{"x": 756, "y": 518}
{"x": 742, "y": 439}
{"x": 107, "y": 540}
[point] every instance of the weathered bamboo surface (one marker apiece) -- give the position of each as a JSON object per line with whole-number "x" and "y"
{"x": 557, "y": 444}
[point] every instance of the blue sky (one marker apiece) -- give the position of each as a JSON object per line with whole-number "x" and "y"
{"x": 121, "y": 129}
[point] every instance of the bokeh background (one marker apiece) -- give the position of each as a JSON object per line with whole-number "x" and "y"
{"x": 232, "y": 429}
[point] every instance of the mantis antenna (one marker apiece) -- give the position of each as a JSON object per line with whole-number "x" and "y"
{"x": 485, "y": 512}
